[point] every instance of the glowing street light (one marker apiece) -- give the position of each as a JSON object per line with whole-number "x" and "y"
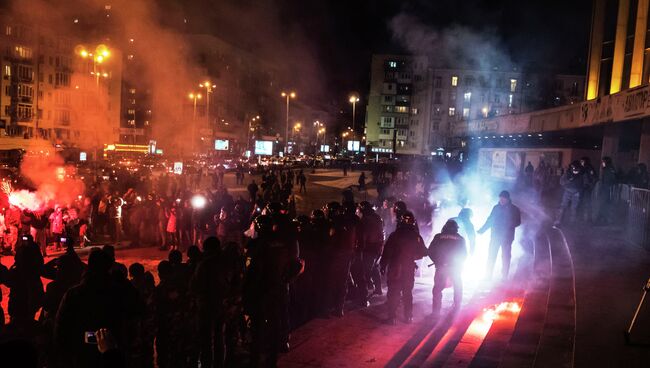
{"x": 287, "y": 95}
{"x": 194, "y": 97}
{"x": 208, "y": 89}
{"x": 353, "y": 100}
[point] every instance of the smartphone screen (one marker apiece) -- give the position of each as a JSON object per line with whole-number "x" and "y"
{"x": 90, "y": 338}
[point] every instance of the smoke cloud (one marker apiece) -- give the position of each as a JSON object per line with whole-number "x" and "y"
{"x": 453, "y": 47}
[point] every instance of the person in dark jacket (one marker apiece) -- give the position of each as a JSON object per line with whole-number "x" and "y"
{"x": 97, "y": 302}
{"x": 402, "y": 249}
{"x": 340, "y": 253}
{"x": 574, "y": 182}
{"x": 466, "y": 228}
{"x": 606, "y": 186}
{"x": 271, "y": 252}
{"x": 25, "y": 286}
{"x": 503, "y": 220}
{"x": 590, "y": 181}
{"x": 447, "y": 252}
{"x": 371, "y": 242}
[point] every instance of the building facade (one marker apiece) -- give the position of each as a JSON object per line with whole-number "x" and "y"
{"x": 413, "y": 106}
{"x": 618, "y": 49}
{"x": 49, "y": 92}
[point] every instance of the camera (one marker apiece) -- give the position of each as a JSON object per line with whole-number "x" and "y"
{"x": 90, "y": 337}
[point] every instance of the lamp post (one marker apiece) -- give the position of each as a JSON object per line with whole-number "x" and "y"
{"x": 208, "y": 89}
{"x": 250, "y": 129}
{"x": 288, "y": 96}
{"x": 98, "y": 57}
{"x": 194, "y": 97}
{"x": 353, "y": 100}
{"x": 101, "y": 54}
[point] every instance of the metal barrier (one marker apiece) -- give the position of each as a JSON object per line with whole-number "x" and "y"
{"x": 638, "y": 217}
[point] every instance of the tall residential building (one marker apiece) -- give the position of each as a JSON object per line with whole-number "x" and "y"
{"x": 399, "y": 109}
{"x": 412, "y": 105}
{"x": 49, "y": 92}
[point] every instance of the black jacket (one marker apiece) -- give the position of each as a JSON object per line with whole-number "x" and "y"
{"x": 503, "y": 220}
{"x": 447, "y": 250}
{"x": 402, "y": 249}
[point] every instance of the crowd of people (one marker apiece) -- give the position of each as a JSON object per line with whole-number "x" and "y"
{"x": 250, "y": 264}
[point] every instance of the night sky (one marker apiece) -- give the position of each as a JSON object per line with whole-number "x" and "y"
{"x": 334, "y": 40}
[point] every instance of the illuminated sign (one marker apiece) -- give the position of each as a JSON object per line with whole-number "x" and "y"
{"x": 353, "y": 146}
{"x": 221, "y": 144}
{"x": 178, "y": 168}
{"x": 159, "y": 151}
{"x": 82, "y": 156}
{"x": 264, "y": 148}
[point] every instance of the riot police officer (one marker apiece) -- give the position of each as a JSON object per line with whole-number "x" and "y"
{"x": 371, "y": 242}
{"x": 403, "y": 247}
{"x": 447, "y": 252}
{"x": 340, "y": 253}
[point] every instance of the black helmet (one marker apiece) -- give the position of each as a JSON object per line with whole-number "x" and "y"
{"x": 273, "y": 208}
{"x": 263, "y": 224}
{"x": 365, "y": 207}
{"x": 317, "y": 214}
{"x": 451, "y": 227}
{"x": 406, "y": 219}
{"x": 333, "y": 209}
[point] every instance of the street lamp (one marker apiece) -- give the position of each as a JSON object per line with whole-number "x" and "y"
{"x": 288, "y": 96}
{"x": 250, "y": 130}
{"x": 194, "y": 97}
{"x": 353, "y": 100}
{"x": 100, "y": 55}
{"x": 208, "y": 89}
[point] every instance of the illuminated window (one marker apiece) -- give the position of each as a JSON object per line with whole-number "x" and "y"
{"x": 510, "y": 98}
{"x": 392, "y": 64}
{"x": 466, "y": 112}
{"x": 130, "y": 57}
{"x": 23, "y": 52}
{"x": 8, "y": 30}
{"x": 467, "y": 96}
{"x": 452, "y": 111}
{"x": 454, "y": 81}
{"x": 132, "y": 91}
{"x": 414, "y": 111}
{"x": 513, "y": 85}
{"x": 131, "y": 111}
{"x": 437, "y": 111}
{"x": 7, "y": 71}
{"x": 401, "y": 109}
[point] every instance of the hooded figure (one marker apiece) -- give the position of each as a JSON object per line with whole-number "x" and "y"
{"x": 447, "y": 252}
{"x": 403, "y": 247}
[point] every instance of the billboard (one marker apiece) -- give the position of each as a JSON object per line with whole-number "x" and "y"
{"x": 264, "y": 148}
{"x": 354, "y": 146}
{"x": 178, "y": 168}
{"x": 221, "y": 145}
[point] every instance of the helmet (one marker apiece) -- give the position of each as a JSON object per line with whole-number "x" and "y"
{"x": 273, "y": 208}
{"x": 451, "y": 226}
{"x": 317, "y": 214}
{"x": 365, "y": 207}
{"x": 406, "y": 219}
{"x": 333, "y": 209}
